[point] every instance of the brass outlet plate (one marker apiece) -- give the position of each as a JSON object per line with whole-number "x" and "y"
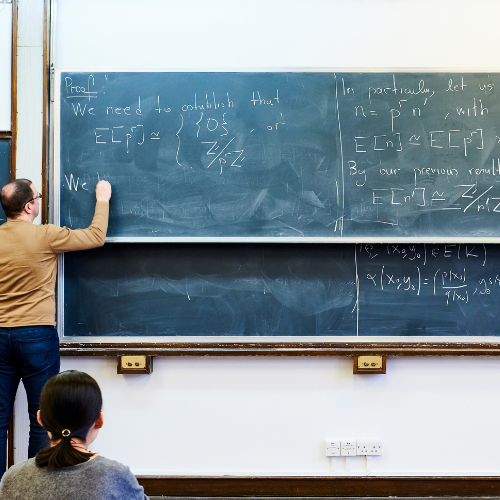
{"x": 135, "y": 364}
{"x": 369, "y": 364}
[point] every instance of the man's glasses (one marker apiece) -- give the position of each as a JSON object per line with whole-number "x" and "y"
{"x": 39, "y": 197}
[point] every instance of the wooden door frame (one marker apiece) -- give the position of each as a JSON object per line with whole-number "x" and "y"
{"x": 11, "y": 136}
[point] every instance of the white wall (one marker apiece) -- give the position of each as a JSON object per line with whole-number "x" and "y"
{"x": 270, "y": 416}
{"x": 246, "y": 34}
{"x": 30, "y": 91}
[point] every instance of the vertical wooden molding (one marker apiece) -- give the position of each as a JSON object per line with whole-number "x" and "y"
{"x": 13, "y": 145}
{"x": 13, "y": 101}
{"x": 46, "y": 104}
{"x": 10, "y": 443}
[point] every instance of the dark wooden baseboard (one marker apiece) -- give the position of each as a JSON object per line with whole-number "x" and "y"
{"x": 232, "y": 486}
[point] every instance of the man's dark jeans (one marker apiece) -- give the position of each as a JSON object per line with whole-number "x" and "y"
{"x": 30, "y": 353}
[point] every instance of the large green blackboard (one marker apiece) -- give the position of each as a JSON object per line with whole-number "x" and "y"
{"x": 275, "y": 157}
{"x": 283, "y": 155}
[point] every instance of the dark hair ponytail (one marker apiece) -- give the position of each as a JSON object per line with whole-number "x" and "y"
{"x": 70, "y": 404}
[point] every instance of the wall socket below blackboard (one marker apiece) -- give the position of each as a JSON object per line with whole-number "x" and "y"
{"x": 369, "y": 364}
{"x": 139, "y": 365}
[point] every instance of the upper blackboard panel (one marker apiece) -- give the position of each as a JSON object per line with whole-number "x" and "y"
{"x": 302, "y": 156}
{"x": 202, "y": 154}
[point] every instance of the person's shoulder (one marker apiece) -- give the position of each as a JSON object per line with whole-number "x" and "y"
{"x": 117, "y": 475}
{"x": 29, "y": 227}
{"x": 27, "y": 464}
{"x": 110, "y": 463}
{"x": 22, "y": 468}
{"x": 112, "y": 466}
{"x": 53, "y": 232}
{"x": 49, "y": 227}
{"x": 19, "y": 225}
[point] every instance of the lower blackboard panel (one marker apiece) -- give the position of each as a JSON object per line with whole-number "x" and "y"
{"x": 282, "y": 290}
{"x": 214, "y": 290}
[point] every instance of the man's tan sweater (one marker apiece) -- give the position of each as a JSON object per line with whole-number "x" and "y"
{"x": 28, "y": 265}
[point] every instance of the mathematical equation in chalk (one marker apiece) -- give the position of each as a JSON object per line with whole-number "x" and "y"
{"x": 410, "y": 143}
{"x": 462, "y": 197}
{"x": 206, "y": 118}
{"x": 404, "y": 153}
{"x": 453, "y": 273}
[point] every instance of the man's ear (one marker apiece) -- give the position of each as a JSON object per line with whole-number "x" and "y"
{"x": 39, "y": 420}
{"x": 100, "y": 421}
{"x": 28, "y": 209}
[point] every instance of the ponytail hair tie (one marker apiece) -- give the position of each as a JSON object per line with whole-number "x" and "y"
{"x": 66, "y": 433}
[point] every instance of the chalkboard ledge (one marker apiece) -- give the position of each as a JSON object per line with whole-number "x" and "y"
{"x": 478, "y": 240}
{"x": 280, "y": 349}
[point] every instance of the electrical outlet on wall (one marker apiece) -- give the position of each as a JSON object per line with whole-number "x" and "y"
{"x": 348, "y": 447}
{"x": 369, "y": 447}
{"x": 332, "y": 447}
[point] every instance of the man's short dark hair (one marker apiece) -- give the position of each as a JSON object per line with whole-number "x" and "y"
{"x": 18, "y": 196}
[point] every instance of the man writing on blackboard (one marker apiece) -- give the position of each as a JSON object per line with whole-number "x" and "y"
{"x": 29, "y": 344}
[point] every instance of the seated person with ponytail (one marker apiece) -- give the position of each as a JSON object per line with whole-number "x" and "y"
{"x": 70, "y": 411}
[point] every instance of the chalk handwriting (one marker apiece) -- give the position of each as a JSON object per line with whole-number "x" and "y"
{"x": 383, "y": 149}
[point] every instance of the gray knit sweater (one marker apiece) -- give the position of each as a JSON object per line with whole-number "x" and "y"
{"x": 97, "y": 479}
